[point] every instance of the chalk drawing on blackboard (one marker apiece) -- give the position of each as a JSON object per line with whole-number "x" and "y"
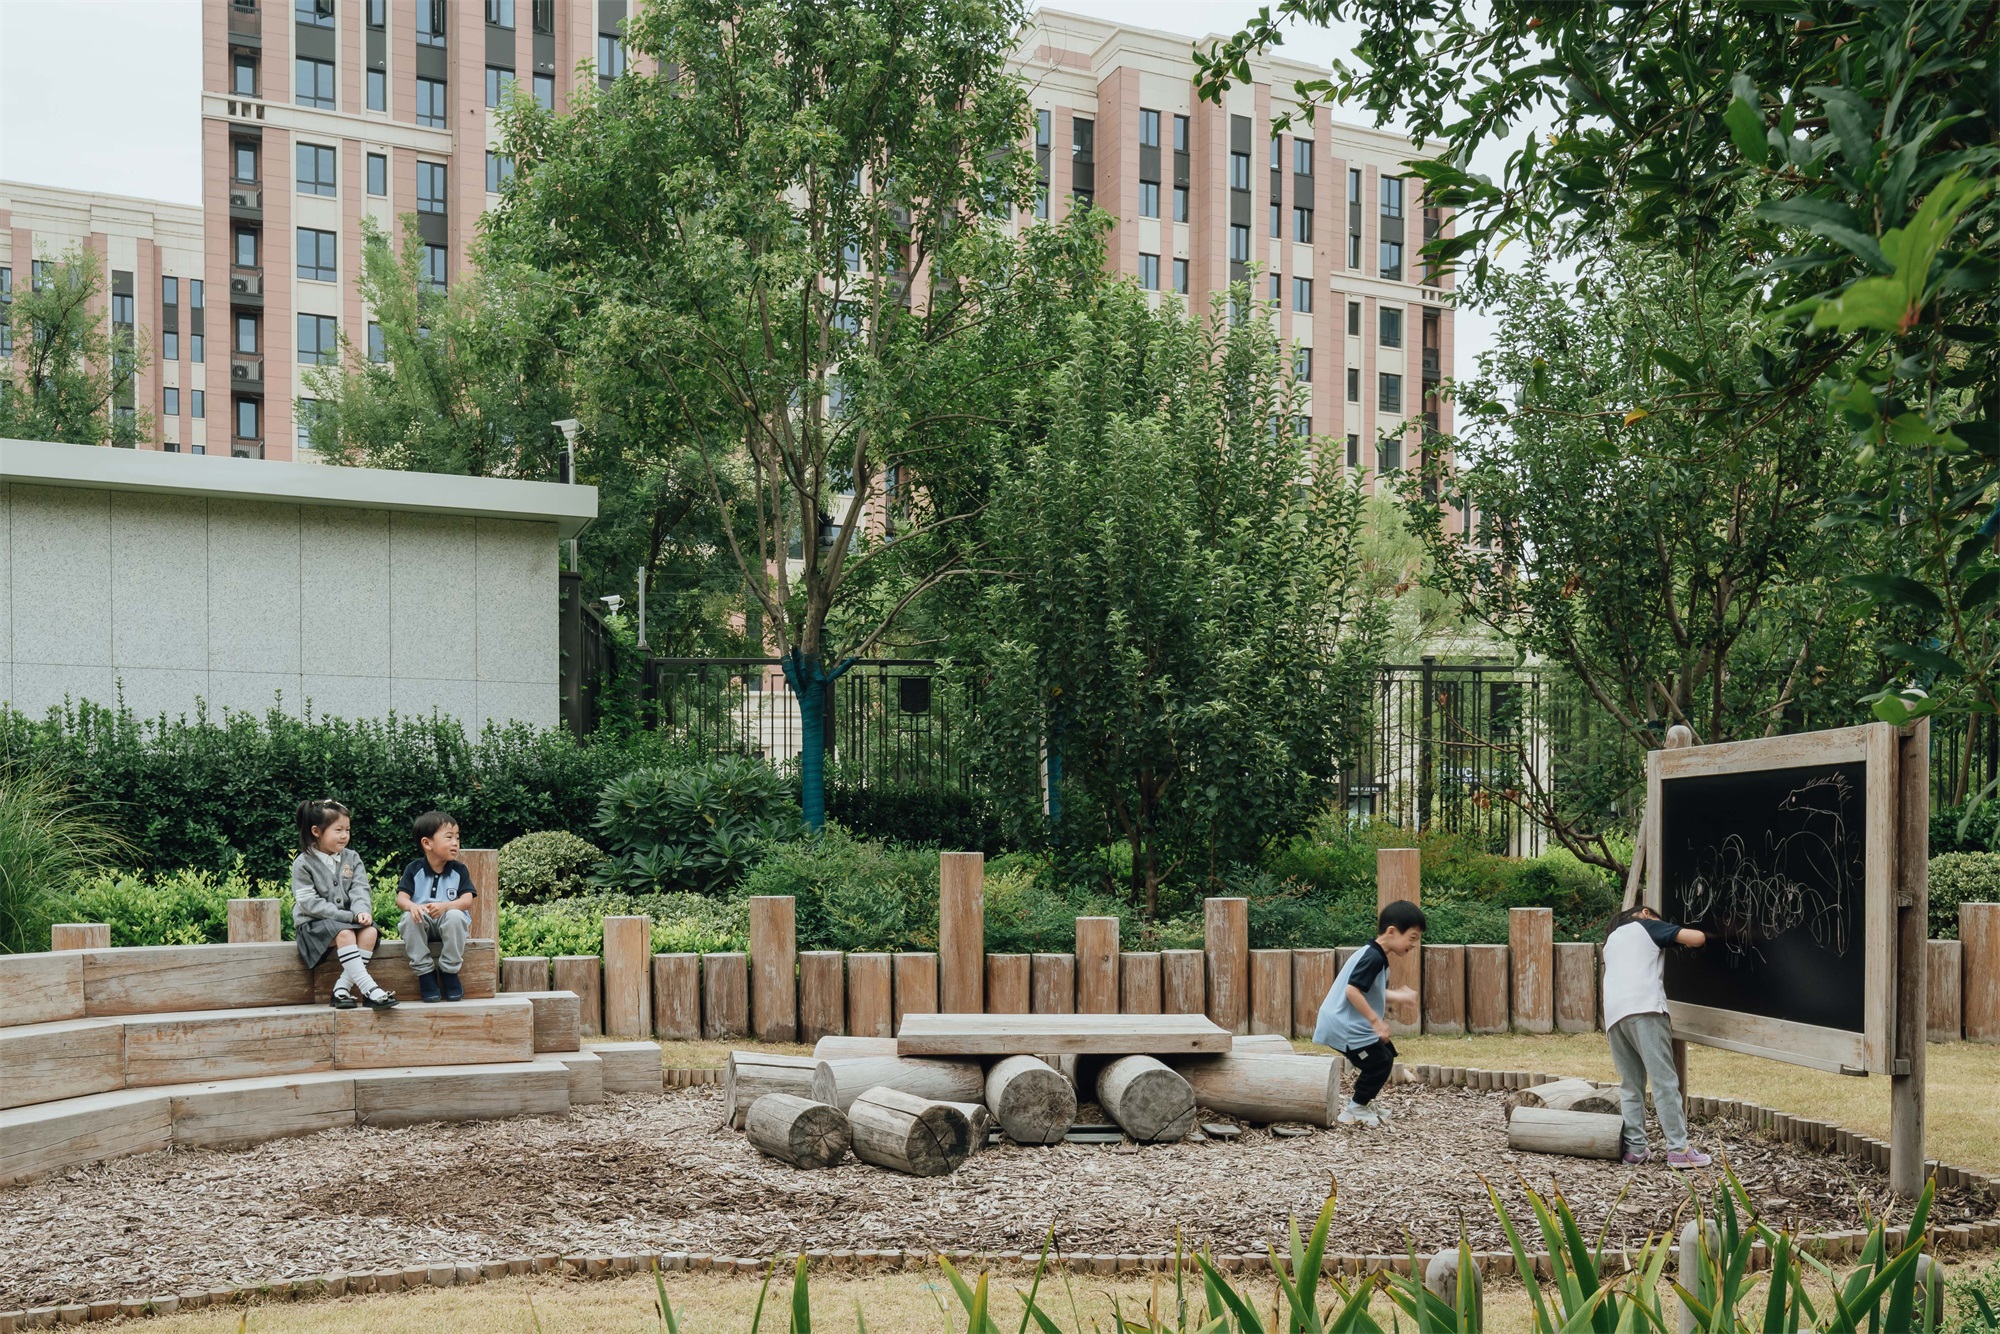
{"x": 1800, "y": 880}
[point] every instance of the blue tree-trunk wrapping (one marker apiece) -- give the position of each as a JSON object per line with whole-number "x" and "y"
{"x": 806, "y": 675}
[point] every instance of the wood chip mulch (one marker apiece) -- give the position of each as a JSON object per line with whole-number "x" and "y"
{"x": 648, "y": 1173}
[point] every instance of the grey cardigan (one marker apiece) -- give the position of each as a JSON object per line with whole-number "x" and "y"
{"x": 316, "y": 895}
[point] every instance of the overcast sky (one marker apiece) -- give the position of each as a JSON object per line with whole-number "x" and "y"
{"x": 105, "y": 94}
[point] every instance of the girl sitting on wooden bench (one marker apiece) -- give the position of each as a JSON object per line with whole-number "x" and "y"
{"x": 331, "y": 906}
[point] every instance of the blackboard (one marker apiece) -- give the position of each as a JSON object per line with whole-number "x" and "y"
{"x": 1772, "y": 864}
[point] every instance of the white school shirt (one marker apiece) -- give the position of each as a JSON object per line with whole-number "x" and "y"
{"x": 1634, "y": 980}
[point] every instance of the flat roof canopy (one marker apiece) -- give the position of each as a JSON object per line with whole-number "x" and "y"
{"x": 93, "y": 467}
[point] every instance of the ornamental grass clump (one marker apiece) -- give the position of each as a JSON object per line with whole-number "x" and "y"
{"x": 49, "y": 844}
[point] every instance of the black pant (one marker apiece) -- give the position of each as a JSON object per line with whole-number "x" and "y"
{"x": 1372, "y": 1066}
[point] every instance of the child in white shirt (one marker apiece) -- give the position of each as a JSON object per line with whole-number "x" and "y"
{"x": 1642, "y": 1040}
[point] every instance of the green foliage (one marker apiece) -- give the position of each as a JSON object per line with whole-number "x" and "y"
{"x": 202, "y": 792}
{"x": 1960, "y": 877}
{"x": 852, "y": 894}
{"x": 1975, "y": 1303}
{"x": 948, "y": 818}
{"x": 682, "y": 924}
{"x": 551, "y": 864}
{"x": 48, "y": 844}
{"x": 69, "y": 379}
{"x": 697, "y": 827}
{"x": 186, "y": 907}
{"x": 1966, "y": 828}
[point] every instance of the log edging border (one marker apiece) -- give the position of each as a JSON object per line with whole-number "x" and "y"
{"x": 1840, "y": 1244}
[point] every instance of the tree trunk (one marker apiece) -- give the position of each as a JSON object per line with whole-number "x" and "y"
{"x": 750, "y": 1075}
{"x": 1031, "y": 1100}
{"x": 841, "y": 1082}
{"x": 1266, "y": 1088}
{"x": 892, "y": 1129}
{"x": 1149, "y": 1102}
{"x": 806, "y": 674}
{"x": 798, "y": 1130}
{"x": 1578, "y": 1134}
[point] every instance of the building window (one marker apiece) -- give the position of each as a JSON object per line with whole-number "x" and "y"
{"x": 170, "y": 291}
{"x": 319, "y": 339}
{"x": 194, "y": 297}
{"x": 316, "y": 255}
{"x": 1042, "y": 201}
{"x": 1277, "y": 218}
{"x": 610, "y": 56}
{"x": 197, "y": 404}
{"x": 1354, "y": 186}
{"x": 1239, "y": 171}
{"x": 378, "y": 13}
{"x": 850, "y": 257}
{"x": 313, "y": 82}
{"x": 196, "y": 352}
{"x": 1149, "y": 128}
{"x": 246, "y": 248}
{"x": 1239, "y": 243}
{"x": 243, "y": 76}
{"x": 1302, "y": 225}
{"x": 499, "y": 84}
{"x": 1354, "y": 319}
{"x": 313, "y": 13}
{"x": 170, "y": 346}
{"x": 1181, "y": 276}
{"x": 1180, "y": 134}
{"x": 430, "y": 22}
{"x": 1149, "y": 199}
{"x": 246, "y": 334}
{"x": 378, "y": 346}
{"x": 1389, "y": 392}
{"x": 1276, "y": 282}
{"x": 1302, "y": 157}
{"x": 499, "y": 171}
{"x": 378, "y": 173}
{"x": 378, "y": 90}
{"x": 1180, "y": 203}
{"x": 436, "y": 267}
{"x": 1042, "y": 131}
{"x": 316, "y": 170}
{"x": 1354, "y": 451}
{"x": 1302, "y": 427}
{"x": 1302, "y": 365}
{"x": 1149, "y": 272}
{"x": 1392, "y": 260}
{"x": 1353, "y": 251}
{"x": 246, "y": 161}
{"x": 1390, "y": 321}
{"x": 1353, "y": 384}
{"x": 6, "y": 300}
{"x": 246, "y": 419}
{"x": 1392, "y": 196}
{"x": 430, "y": 187}
{"x": 303, "y": 414}
{"x": 1389, "y": 454}
{"x": 500, "y": 13}
{"x": 545, "y": 91}
{"x": 170, "y": 402}
{"x": 121, "y": 309}
{"x": 431, "y": 109}
{"x": 545, "y": 16}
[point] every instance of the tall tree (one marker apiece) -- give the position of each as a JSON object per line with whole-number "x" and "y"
{"x": 781, "y": 216}
{"x": 68, "y": 372}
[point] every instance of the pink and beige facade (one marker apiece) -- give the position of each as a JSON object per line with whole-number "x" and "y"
{"x": 1322, "y": 216}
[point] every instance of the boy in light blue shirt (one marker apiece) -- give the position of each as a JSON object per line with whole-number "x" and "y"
{"x": 1351, "y": 1017}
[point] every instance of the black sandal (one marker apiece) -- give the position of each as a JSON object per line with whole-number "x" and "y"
{"x": 343, "y": 999}
{"x": 383, "y": 999}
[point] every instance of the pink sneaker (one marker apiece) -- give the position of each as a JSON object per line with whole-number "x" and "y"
{"x": 1688, "y": 1158}
{"x": 1634, "y": 1157}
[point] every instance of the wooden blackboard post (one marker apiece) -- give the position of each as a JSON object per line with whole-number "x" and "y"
{"x": 1913, "y": 898}
{"x": 1677, "y": 736}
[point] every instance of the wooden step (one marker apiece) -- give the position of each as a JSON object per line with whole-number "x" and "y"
{"x": 227, "y": 1044}
{"x": 480, "y": 975}
{"x": 557, "y": 1025}
{"x": 586, "y": 1075}
{"x": 174, "y": 979}
{"x": 468, "y": 1032}
{"x": 631, "y": 1067}
{"x": 40, "y": 988}
{"x": 460, "y": 1093}
{"x": 65, "y": 1059}
{"x": 232, "y": 1114}
{"x": 57, "y": 1135}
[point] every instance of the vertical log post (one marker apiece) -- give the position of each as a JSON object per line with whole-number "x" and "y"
{"x": 484, "y": 864}
{"x": 1399, "y": 875}
{"x": 962, "y": 932}
{"x": 525, "y": 972}
{"x": 1097, "y": 965}
{"x": 254, "y": 921}
{"x": 1444, "y": 988}
{"x": 1181, "y": 988}
{"x": 82, "y": 935}
{"x": 822, "y": 995}
{"x": 1531, "y": 940}
{"x": 1271, "y": 992}
{"x": 1139, "y": 982}
{"x": 677, "y": 996}
{"x": 1576, "y": 987}
{"x": 1312, "y": 977}
{"x": 916, "y": 985}
{"x": 583, "y": 974}
{"x": 1052, "y": 984}
{"x": 628, "y": 977}
{"x": 1487, "y": 977}
{"x": 725, "y": 996}
{"x": 1678, "y": 735}
{"x": 774, "y": 963}
{"x": 1947, "y": 988}
{"x": 1979, "y": 964}
{"x": 1227, "y": 937}
{"x": 871, "y": 1010}
{"x": 1007, "y": 987}
{"x": 1913, "y": 915}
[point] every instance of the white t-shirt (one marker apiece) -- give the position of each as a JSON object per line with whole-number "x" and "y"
{"x": 1633, "y": 972}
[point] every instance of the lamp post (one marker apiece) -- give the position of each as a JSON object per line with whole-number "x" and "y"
{"x": 566, "y": 474}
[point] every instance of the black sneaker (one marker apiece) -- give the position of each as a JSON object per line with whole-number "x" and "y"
{"x": 452, "y": 990}
{"x": 427, "y": 987}
{"x": 343, "y": 999}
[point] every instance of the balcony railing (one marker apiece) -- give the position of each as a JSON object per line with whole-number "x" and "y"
{"x": 245, "y": 371}
{"x": 246, "y": 199}
{"x": 246, "y": 282}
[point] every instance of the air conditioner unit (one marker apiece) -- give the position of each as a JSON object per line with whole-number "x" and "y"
{"x": 253, "y": 199}
{"x": 251, "y": 370}
{"x": 246, "y": 284}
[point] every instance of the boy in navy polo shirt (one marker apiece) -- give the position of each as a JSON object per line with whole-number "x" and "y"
{"x": 436, "y": 896}
{"x": 1351, "y": 1018}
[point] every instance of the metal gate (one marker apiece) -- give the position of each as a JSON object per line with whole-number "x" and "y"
{"x": 1453, "y": 746}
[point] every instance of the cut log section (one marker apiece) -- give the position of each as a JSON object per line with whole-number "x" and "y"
{"x": 750, "y": 1075}
{"x": 841, "y": 1082}
{"x": 1565, "y": 1095}
{"x": 1149, "y": 1102}
{"x": 1577, "y": 1134}
{"x": 1032, "y": 1101}
{"x": 797, "y": 1130}
{"x": 892, "y": 1129}
{"x": 1266, "y": 1087}
{"x": 980, "y": 1118}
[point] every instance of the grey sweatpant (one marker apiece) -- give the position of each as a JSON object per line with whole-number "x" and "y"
{"x": 1642, "y": 1047}
{"x": 451, "y": 930}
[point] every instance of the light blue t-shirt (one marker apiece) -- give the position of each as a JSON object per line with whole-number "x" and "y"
{"x": 1341, "y": 1026}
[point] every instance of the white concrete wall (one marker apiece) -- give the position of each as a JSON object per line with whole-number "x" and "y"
{"x": 175, "y": 598}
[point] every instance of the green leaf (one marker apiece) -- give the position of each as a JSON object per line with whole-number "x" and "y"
{"x": 1900, "y": 590}
{"x": 1746, "y": 122}
{"x": 1928, "y": 659}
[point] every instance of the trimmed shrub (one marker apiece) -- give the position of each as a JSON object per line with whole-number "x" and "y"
{"x": 551, "y": 864}
{"x": 682, "y": 923}
{"x": 1960, "y": 877}
{"x": 853, "y": 894}
{"x": 698, "y": 827}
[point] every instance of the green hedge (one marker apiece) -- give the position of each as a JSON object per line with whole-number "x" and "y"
{"x": 1960, "y": 877}
{"x": 682, "y": 924}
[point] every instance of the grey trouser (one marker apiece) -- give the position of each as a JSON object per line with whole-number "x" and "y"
{"x": 452, "y": 930}
{"x": 1642, "y": 1047}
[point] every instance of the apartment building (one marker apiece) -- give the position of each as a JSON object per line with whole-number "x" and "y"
{"x": 1205, "y": 195}
{"x": 150, "y": 257}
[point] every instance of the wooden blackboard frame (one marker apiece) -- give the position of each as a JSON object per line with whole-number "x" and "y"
{"x": 1874, "y": 745}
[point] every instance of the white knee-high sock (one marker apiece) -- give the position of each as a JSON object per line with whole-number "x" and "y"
{"x": 353, "y": 976}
